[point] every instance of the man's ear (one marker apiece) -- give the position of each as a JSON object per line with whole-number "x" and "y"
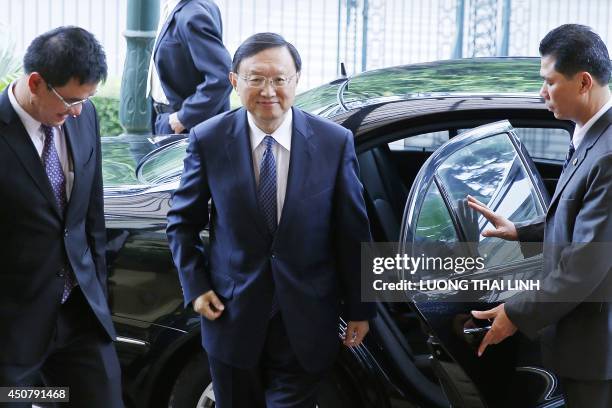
{"x": 586, "y": 82}
{"x": 35, "y": 81}
{"x": 233, "y": 78}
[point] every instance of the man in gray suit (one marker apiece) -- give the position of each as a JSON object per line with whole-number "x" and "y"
{"x": 571, "y": 312}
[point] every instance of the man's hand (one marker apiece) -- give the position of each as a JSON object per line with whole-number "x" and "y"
{"x": 208, "y": 305}
{"x": 504, "y": 228}
{"x": 355, "y": 332}
{"x": 175, "y": 123}
{"x": 501, "y": 327}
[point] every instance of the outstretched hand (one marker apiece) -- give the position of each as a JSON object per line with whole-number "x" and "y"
{"x": 504, "y": 228}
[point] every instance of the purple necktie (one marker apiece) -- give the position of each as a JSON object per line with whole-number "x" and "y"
{"x": 266, "y": 193}
{"x": 55, "y": 173}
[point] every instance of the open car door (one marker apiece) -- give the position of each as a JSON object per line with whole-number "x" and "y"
{"x": 489, "y": 163}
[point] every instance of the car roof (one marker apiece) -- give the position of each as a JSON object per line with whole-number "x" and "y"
{"x": 469, "y": 76}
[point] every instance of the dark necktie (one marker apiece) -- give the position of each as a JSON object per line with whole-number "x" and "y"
{"x": 267, "y": 197}
{"x": 266, "y": 190}
{"x": 570, "y": 152}
{"x": 55, "y": 173}
{"x": 53, "y": 168}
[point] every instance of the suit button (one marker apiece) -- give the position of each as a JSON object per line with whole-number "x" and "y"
{"x": 61, "y": 272}
{"x": 66, "y": 232}
{"x": 273, "y": 256}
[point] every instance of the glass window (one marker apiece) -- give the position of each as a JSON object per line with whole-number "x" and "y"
{"x": 164, "y": 165}
{"x": 428, "y": 142}
{"x": 491, "y": 171}
{"x": 434, "y": 221}
{"x": 544, "y": 143}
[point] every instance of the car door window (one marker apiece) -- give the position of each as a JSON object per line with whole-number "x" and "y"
{"x": 545, "y": 143}
{"x": 434, "y": 222}
{"x": 491, "y": 170}
{"x": 427, "y": 142}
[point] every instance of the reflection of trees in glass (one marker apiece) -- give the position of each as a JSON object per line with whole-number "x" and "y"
{"x": 168, "y": 163}
{"x": 318, "y": 99}
{"x": 434, "y": 222}
{"x": 478, "y": 169}
{"x": 118, "y": 165}
{"x": 470, "y": 75}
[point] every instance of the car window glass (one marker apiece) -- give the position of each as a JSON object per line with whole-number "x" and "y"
{"x": 545, "y": 143}
{"x": 164, "y": 165}
{"x": 424, "y": 142}
{"x": 491, "y": 170}
{"x": 434, "y": 222}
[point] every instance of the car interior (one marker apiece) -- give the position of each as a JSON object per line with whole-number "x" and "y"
{"x": 388, "y": 169}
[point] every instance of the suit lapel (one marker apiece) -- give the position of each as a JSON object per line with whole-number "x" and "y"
{"x": 301, "y": 154}
{"x": 77, "y": 152}
{"x": 238, "y": 150}
{"x": 19, "y": 141}
{"x": 579, "y": 157}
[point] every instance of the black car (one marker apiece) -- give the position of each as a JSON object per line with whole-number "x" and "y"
{"x": 426, "y": 135}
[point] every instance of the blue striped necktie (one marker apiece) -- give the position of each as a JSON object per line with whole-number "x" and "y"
{"x": 57, "y": 179}
{"x": 266, "y": 191}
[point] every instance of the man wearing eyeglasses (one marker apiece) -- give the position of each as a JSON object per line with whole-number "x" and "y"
{"x": 54, "y": 315}
{"x": 287, "y": 220}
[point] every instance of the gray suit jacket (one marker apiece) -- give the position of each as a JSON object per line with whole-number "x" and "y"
{"x": 572, "y": 310}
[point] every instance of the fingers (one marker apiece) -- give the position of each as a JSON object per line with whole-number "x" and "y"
{"x": 482, "y": 208}
{"x": 355, "y": 333}
{"x": 209, "y": 305}
{"x": 484, "y": 314}
{"x": 485, "y": 342}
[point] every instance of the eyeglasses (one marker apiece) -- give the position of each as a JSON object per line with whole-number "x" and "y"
{"x": 260, "y": 81}
{"x": 67, "y": 105}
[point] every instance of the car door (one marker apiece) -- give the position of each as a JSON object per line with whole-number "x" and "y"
{"x": 490, "y": 164}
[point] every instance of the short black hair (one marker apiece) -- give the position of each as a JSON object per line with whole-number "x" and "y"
{"x": 64, "y": 53}
{"x": 577, "y": 48}
{"x": 263, "y": 41}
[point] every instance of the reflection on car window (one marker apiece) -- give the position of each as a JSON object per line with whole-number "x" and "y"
{"x": 434, "y": 222}
{"x": 491, "y": 170}
{"x": 545, "y": 143}
{"x": 164, "y": 165}
{"x": 425, "y": 142}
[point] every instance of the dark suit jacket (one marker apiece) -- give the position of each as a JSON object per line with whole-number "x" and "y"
{"x": 313, "y": 259}
{"x": 573, "y": 305}
{"x": 192, "y": 63}
{"x": 38, "y": 244}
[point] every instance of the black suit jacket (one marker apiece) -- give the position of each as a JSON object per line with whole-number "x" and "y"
{"x": 572, "y": 309}
{"x": 38, "y": 245}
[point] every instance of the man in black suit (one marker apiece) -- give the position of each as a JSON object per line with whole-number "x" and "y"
{"x": 572, "y": 310}
{"x": 189, "y": 66}
{"x": 54, "y": 313}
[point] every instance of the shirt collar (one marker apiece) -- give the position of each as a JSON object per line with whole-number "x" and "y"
{"x": 171, "y": 5}
{"x": 282, "y": 135}
{"x": 31, "y": 125}
{"x": 580, "y": 132}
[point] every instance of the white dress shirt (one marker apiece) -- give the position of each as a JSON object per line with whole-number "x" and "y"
{"x": 579, "y": 132}
{"x": 32, "y": 126}
{"x": 153, "y": 83}
{"x": 281, "y": 150}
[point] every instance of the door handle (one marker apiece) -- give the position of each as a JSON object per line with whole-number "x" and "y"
{"x": 475, "y": 330}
